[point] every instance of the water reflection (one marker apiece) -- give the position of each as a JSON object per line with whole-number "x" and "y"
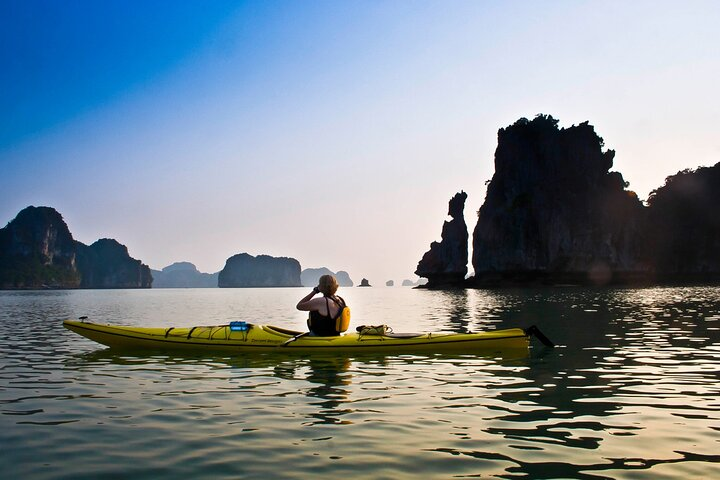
{"x": 455, "y": 311}
{"x": 325, "y": 380}
{"x": 631, "y": 391}
{"x": 329, "y": 377}
{"x": 610, "y": 468}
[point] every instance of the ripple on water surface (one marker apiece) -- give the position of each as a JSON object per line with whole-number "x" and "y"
{"x": 631, "y": 391}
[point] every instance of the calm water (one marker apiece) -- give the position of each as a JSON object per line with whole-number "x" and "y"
{"x": 631, "y": 392}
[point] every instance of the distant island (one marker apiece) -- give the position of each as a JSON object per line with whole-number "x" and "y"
{"x": 38, "y": 251}
{"x": 186, "y": 275}
{"x": 245, "y": 270}
{"x": 183, "y": 275}
{"x": 555, "y": 213}
{"x": 309, "y": 277}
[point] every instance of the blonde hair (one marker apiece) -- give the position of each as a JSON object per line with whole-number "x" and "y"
{"x": 327, "y": 285}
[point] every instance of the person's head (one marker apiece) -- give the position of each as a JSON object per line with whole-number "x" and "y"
{"x": 327, "y": 285}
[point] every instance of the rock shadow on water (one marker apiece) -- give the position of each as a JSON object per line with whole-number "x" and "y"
{"x": 613, "y": 468}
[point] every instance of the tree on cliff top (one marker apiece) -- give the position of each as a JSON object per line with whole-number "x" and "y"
{"x": 684, "y": 223}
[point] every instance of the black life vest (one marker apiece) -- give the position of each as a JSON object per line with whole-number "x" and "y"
{"x": 328, "y": 325}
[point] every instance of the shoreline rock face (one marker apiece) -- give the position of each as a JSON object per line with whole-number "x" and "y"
{"x": 684, "y": 227}
{"x": 343, "y": 278}
{"x": 107, "y": 264}
{"x": 38, "y": 251}
{"x": 446, "y": 262}
{"x": 553, "y": 209}
{"x": 555, "y": 213}
{"x": 244, "y": 270}
{"x": 183, "y": 275}
{"x": 310, "y": 277}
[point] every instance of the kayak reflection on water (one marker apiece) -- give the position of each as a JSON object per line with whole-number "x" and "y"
{"x": 329, "y": 376}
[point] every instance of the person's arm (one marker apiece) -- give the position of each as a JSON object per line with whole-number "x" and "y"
{"x": 306, "y": 304}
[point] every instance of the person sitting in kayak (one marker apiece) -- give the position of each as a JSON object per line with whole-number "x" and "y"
{"x": 329, "y": 316}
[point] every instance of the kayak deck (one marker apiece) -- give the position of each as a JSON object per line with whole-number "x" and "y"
{"x": 269, "y": 338}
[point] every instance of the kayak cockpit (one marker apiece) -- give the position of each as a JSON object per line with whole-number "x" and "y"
{"x": 280, "y": 331}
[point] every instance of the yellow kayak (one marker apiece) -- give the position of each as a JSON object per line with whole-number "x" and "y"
{"x": 266, "y": 338}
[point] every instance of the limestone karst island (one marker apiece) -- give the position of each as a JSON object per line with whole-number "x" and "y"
{"x": 554, "y": 213}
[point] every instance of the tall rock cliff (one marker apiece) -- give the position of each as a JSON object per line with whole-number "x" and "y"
{"x": 446, "y": 262}
{"x": 684, "y": 227}
{"x": 554, "y": 210}
{"x": 244, "y": 270}
{"x": 37, "y": 250}
{"x": 107, "y": 264}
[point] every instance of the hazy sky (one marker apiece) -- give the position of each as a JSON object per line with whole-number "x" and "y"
{"x": 334, "y": 132}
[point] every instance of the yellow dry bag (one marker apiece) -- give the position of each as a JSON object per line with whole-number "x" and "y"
{"x": 342, "y": 322}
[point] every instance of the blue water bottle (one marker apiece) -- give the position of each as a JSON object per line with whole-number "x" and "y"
{"x": 239, "y": 326}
